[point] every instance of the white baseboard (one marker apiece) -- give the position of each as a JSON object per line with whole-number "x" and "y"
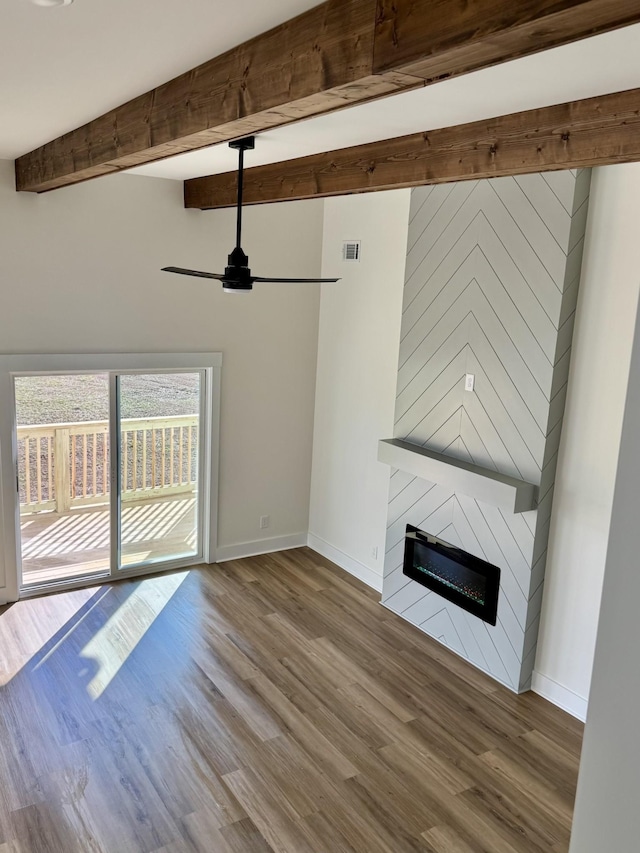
{"x": 260, "y": 546}
{"x": 344, "y": 561}
{"x": 560, "y": 696}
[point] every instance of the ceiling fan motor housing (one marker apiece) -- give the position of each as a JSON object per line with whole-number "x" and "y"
{"x": 238, "y": 260}
{"x": 237, "y": 275}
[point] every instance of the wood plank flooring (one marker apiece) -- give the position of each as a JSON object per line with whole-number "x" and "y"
{"x": 267, "y": 704}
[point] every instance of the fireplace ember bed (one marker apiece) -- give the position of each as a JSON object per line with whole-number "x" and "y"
{"x": 456, "y": 575}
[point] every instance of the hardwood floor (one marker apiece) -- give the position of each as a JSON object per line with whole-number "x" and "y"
{"x": 267, "y": 704}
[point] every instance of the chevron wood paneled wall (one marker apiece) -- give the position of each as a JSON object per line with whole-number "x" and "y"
{"x": 493, "y": 269}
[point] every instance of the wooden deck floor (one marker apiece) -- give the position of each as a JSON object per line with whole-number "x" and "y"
{"x": 268, "y": 705}
{"x": 55, "y": 547}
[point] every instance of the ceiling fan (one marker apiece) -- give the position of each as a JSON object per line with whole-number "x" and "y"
{"x": 237, "y": 276}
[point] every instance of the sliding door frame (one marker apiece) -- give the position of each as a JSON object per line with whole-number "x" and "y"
{"x": 208, "y": 364}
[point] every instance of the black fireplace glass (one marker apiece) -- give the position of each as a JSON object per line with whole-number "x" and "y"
{"x": 456, "y": 575}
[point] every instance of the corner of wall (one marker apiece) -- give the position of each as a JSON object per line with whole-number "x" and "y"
{"x": 588, "y": 449}
{"x": 355, "y": 383}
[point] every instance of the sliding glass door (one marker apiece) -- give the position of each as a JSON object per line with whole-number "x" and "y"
{"x": 63, "y": 469}
{"x": 159, "y": 426}
{"x": 115, "y": 460}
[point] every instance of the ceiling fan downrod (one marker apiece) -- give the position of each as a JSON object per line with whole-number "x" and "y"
{"x": 238, "y": 261}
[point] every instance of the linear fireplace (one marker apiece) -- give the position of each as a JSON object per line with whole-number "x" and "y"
{"x": 461, "y": 578}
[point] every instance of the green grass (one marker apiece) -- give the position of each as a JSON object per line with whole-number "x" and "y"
{"x": 70, "y": 399}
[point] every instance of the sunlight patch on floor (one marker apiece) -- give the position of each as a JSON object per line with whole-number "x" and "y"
{"x": 36, "y": 622}
{"x": 74, "y": 626}
{"x": 110, "y": 647}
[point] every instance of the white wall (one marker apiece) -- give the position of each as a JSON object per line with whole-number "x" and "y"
{"x": 80, "y": 271}
{"x": 607, "y": 816}
{"x": 356, "y": 379}
{"x": 588, "y": 454}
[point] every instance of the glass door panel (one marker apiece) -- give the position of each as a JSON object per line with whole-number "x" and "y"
{"x": 63, "y": 476}
{"x": 158, "y": 467}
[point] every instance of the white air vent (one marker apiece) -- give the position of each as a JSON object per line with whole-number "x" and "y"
{"x": 351, "y": 250}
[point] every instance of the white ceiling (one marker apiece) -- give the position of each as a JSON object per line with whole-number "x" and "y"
{"x": 61, "y": 67}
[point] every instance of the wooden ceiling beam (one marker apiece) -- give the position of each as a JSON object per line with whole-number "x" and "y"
{"x": 593, "y": 132}
{"x": 340, "y": 53}
{"x": 466, "y": 36}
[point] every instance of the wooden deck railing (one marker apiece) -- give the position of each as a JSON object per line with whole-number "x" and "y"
{"x": 67, "y": 465}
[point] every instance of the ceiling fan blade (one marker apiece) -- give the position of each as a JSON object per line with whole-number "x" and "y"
{"x": 296, "y": 280}
{"x": 198, "y": 273}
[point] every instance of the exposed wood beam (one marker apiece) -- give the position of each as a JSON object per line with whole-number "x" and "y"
{"x": 592, "y": 132}
{"x": 341, "y": 53}
{"x": 444, "y": 38}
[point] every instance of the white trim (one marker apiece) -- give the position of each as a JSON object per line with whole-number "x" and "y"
{"x": 211, "y": 420}
{"x": 344, "y": 561}
{"x": 560, "y": 696}
{"x": 109, "y": 361}
{"x": 260, "y": 546}
{"x": 9, "y": 521}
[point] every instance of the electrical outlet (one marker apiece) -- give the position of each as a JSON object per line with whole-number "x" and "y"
{"x": 265, "y": 521}
{"x": 469, "y": 382}
{"x": 374, "y": 552}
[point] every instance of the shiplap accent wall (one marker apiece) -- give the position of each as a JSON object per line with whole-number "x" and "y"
{"x": 493, "y": 269}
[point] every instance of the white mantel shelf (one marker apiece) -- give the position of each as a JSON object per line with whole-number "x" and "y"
{"x": 489, "y": 487}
